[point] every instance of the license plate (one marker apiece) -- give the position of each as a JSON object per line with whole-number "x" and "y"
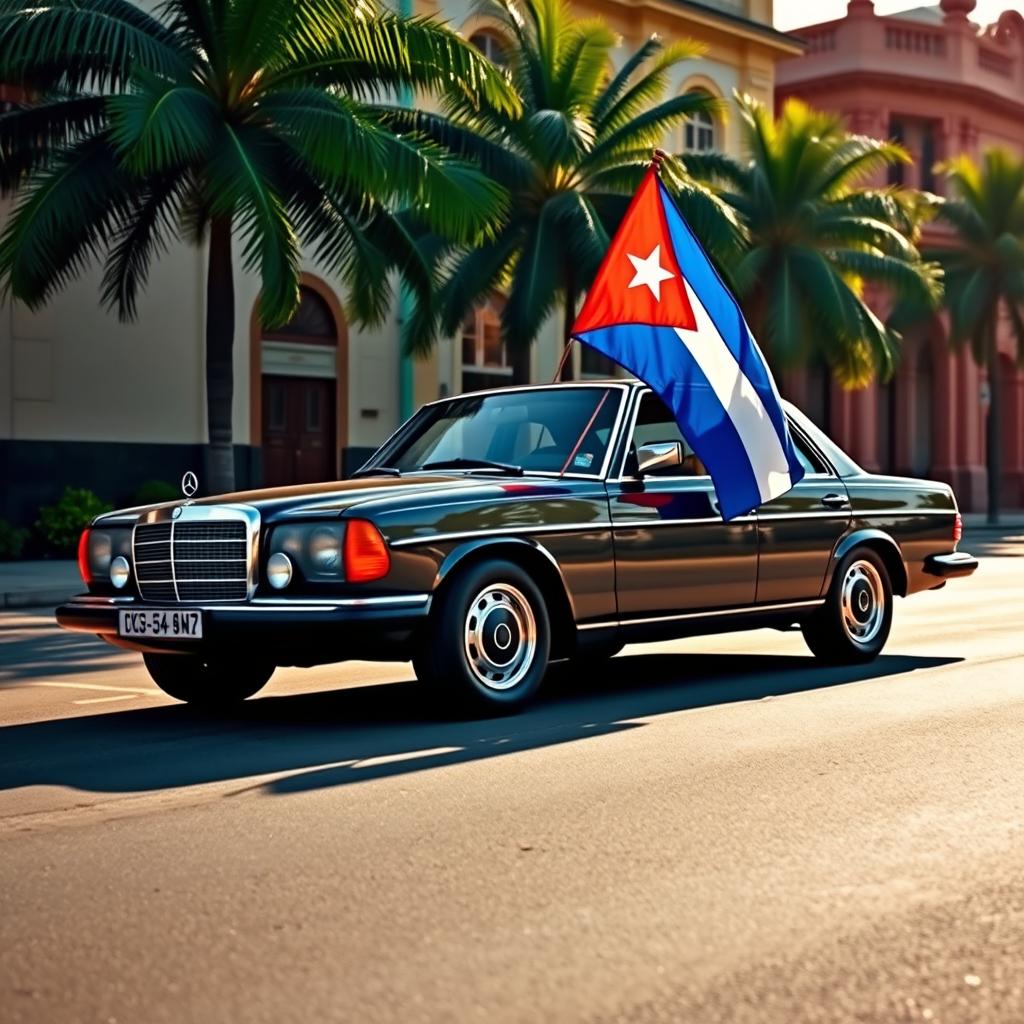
{"x": 162, "y": 623}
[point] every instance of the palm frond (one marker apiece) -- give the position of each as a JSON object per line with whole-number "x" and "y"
{"x": 61, "y": 222}
{"x": 244, "y": 184}
{"x": 537, "y": 280}
{"x": 644, "y": 85}
{"x": 385, "y": 50}
{"x": 616, "y": 86}
{"x": 495, "y": 155}
{"x": 71, "y": 46}
{"x": 142, "y": 235}
{"x": 649, "y": 127}
{"x": 162, "y": 125}
{"x": 30, "y": 137}
{"x": 473, "y": 274}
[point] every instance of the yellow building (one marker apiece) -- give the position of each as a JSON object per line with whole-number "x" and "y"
{"x": 89, "y": 401}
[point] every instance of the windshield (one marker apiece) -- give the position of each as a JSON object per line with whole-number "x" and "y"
{"x": 531, "y": 430}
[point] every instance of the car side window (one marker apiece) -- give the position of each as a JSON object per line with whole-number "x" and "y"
{"x": 656, "y": 424}
{"x": 808, "y": 459}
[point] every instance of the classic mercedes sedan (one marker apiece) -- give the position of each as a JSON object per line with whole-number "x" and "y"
{"x": 495, "y": 532}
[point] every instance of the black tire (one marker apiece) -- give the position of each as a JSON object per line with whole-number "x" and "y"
{"x": 851, "y": 628}
{"x": 207, "y": 683}
{"x": 487, "y": 610}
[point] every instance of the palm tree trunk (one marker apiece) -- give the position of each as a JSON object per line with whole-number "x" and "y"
{"x": 569, "y": 318}
{"x": 521, "y": 364}
{"x": 220, "y": 339}
{"x": 993, "y": 422}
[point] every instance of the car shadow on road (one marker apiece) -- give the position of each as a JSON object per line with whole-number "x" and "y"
{"x": 361, "y": 733}
{"x": 31, "y": 649}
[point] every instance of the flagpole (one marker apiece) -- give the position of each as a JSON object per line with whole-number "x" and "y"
{"x": 657, "y": 156}
{"x": 566, "y": 350}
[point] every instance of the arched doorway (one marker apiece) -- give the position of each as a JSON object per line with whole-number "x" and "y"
{"x": 299, "y": 390}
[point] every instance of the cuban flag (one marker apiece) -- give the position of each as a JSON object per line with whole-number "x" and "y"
{"x": 658, "y": 307}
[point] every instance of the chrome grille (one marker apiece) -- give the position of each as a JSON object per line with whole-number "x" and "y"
{"x": 202, "y": 560}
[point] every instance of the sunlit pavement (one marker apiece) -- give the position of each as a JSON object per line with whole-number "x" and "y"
{"x": 717, "y": 830}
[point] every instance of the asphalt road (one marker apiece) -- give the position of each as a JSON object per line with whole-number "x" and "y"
{"x": 717, "y": 830}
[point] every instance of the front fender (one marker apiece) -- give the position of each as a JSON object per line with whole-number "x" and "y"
{"x": 877, "y": 540}
{"x": 502, "y": 547}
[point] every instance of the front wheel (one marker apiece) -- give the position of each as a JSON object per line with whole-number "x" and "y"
{"x": 488, "y": 640}
{"x": 207, "y": 683}
{"x": 853, "y": 625}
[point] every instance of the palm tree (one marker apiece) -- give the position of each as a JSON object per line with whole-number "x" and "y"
{"x": 984, "y": 276}
{"x": 815, "y": 238}
{"x": 570, "y": 159}
{"x": 220, "y": 120}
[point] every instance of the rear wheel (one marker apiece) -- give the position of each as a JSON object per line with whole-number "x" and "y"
{"x": 853, "y": 624}
{"x": 204, "y": 682}
{"x": 488, "y": 640}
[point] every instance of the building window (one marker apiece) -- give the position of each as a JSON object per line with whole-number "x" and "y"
{"x": 897, "y": 172}
{"x": 699, "y": 132}
{"x": 491, "y": 46}
{"x": 928, "y": 157}
{"x": 484, "y": 359}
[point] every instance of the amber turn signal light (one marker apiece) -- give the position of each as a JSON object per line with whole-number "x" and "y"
{"x": 366, "y": 552}
{"x": 83, "y": 557}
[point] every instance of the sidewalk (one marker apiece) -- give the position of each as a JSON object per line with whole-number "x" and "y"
{"x": 28, "y": 584}
{"x": 1009, "y": 523}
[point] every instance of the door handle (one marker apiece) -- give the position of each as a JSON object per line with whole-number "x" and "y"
{"x": 835, "y": 501}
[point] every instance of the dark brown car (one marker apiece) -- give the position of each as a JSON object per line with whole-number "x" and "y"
{"x": 497, "y": 531}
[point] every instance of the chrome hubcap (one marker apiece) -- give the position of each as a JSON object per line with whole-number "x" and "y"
{"x": 500, "y": 636}
{"x": 863, "y": 600}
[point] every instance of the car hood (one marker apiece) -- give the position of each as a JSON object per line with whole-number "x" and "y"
{"x": 378, "y": 493}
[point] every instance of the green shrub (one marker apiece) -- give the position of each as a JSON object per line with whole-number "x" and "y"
{"x": 59, "y": 526}
{"x": 12, "y": 541}
{"x": 153, "y": 492}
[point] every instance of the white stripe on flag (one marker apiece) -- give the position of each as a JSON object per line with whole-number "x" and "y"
{"x": 740, "y": 400}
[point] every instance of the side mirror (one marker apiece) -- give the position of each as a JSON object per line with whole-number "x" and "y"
{"x": 660, "y": 455}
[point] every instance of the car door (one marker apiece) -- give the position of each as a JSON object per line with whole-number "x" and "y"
{"x": 673, "y": 552}
{"x": 798, "y": 532}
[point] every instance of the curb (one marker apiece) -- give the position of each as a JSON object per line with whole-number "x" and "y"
{"x": 995, "y": 531}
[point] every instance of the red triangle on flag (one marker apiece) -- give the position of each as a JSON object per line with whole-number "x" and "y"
{"x": 639, "y": 281}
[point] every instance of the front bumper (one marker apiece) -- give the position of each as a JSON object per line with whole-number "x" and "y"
{"x": 287, "y": 632}
{"x": 951, "y": 566}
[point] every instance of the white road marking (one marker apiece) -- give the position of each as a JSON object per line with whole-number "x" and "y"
{"x": 95, "y": 686}
{"x": 103, "y": 700}
{"x": 375, "y": 762}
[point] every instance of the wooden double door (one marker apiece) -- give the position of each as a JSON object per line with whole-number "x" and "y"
{"x": 299, "y": 419}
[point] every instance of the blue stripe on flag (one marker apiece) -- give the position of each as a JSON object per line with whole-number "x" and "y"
{"x": 655, "y": 354}
{"x": 728, "y": 318}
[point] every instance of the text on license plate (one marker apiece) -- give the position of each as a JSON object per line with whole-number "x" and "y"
{"x": 168, "y": 623}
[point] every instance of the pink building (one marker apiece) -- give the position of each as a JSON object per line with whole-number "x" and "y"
{"x": 942, "y": 85}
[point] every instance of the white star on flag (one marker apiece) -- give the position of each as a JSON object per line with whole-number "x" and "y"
{"x": 650, "y": 272}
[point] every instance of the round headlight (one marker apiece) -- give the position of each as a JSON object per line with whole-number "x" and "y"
{"x": 325, "y": 549}
{"x": 101, "y": 550}
{"x": 119, "y": 571}
{"x": 279, "y": 570}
